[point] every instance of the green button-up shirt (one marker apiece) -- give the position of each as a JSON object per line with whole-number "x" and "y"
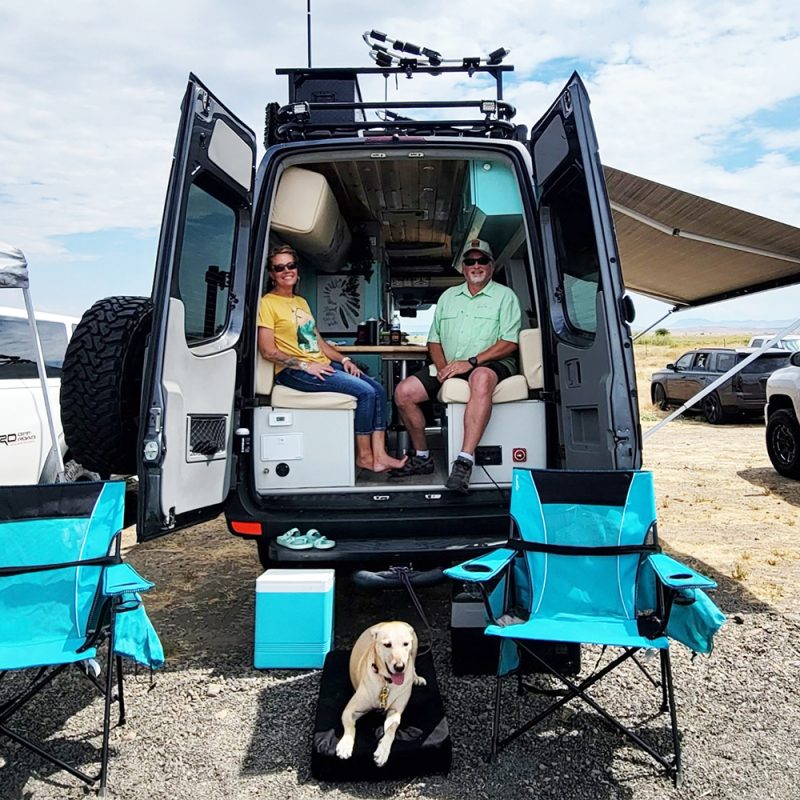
{"x": 466, "y": 324}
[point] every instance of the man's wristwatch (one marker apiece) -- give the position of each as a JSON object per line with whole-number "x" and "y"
{"x": 473, "y": 361}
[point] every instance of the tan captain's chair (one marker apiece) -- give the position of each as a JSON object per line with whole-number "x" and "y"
{"x": 515, "y": 387}
{"x": 284, "y": 397}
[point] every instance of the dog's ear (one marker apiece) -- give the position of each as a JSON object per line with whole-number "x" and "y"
{"x": 375, "y": 630}
{"x": 414, "y": 642}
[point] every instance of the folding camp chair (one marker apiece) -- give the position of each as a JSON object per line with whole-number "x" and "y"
{"x": 583, "y": 565}
{"x": 62, "y": 588}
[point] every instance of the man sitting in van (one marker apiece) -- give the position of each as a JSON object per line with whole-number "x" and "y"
{"x": 473, "y": 336}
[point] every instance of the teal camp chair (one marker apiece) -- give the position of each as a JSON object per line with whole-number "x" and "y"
{"x": 63, "y": 588}
{"x": 583, "y": 565}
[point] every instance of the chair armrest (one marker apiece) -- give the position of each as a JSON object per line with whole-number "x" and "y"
{"x": 675, "y": 575}
{"x": 123, "y": 579}
{"x": 483, "y": 568}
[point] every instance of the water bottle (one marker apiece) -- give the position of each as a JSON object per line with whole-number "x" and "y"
{"x": 395, "y": 335}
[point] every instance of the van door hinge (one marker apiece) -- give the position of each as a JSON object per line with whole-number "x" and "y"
{"x": 558, "y": 294}
{"x": 546, "y": 396}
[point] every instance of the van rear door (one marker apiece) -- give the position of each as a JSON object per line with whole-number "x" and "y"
{"x": 598, "y": 410}
{"x": 190, "y": 373}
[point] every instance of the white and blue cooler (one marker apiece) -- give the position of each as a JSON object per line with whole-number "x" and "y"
{"x": 294, "y": 618}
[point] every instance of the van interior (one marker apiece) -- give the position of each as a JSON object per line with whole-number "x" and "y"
{"x": 380, "y": 236}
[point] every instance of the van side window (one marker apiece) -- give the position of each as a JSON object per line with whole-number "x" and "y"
{"x": 206, "y": 264}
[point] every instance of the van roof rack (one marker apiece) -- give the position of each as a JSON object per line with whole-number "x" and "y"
{"x": 326, "y": 102}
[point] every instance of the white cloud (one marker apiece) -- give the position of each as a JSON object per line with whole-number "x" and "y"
{"x": 91, "y": 91}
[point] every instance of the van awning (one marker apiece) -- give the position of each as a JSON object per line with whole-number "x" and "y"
{"x": 13, "y": 268}
{"x": 688, "y": 251}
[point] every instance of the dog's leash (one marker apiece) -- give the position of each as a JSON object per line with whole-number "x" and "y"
{"x": 403, "y": 575}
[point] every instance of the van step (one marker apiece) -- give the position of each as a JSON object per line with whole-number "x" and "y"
{"x": 438, "y": 548}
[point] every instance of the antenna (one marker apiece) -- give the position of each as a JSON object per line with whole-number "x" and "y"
{"x": 308, "y": 26}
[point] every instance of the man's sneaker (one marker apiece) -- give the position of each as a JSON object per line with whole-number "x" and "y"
{"x": 459, "y": 477}
{"x": 414, "y": 466}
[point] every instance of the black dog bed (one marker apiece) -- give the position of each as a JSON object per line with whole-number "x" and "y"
{"x": 421, "y": 747}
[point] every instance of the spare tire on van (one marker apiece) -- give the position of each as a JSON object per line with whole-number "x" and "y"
{"x": 101, "y": 384}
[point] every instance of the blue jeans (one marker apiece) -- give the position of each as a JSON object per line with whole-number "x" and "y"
{"x": 370, "y": 395}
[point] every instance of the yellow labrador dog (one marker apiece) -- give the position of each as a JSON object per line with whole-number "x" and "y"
{"x": 382, "y": 673}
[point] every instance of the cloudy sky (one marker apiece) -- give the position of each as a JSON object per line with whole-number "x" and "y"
{"x": 704, "y": 97}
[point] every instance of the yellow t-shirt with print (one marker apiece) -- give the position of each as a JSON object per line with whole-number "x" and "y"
{"x": 292, "y": 323}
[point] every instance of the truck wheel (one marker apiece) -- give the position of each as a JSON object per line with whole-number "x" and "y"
{"x": 783, "y": 442}
{"x": 101, "y": 384}
{"x": 660, "y": 397}
{"x": 712, "y": 409}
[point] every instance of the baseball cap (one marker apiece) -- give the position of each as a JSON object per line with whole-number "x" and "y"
{"x": 477, "y": 244}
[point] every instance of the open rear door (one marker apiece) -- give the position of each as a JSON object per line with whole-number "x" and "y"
{"x": 598, "y": 411}
{"x": 186, "y": 434}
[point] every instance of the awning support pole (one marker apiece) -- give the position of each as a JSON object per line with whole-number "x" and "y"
{"x": 43, "y": 378}
{"x": 649, "y": 328}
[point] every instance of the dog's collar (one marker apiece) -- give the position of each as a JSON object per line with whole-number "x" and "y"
{"x": 375, "y": 669}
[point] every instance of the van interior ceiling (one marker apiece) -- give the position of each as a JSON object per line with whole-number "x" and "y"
{"x": 381, "y": 237}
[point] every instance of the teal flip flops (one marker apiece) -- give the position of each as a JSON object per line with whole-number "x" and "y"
{"x": 294, "y": 540}
{"x": 319, "y": 542}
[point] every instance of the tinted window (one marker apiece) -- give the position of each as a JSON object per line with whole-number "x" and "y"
{"x": 684, "y": 361}
{"x": 576, "y": 251}
{"x": 206, "y": 261}
{"x": 18, "y": 352}
{"x": 766, "y": 364}
{"x": 725, "y": 361}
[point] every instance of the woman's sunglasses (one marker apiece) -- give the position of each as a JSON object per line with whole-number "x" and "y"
{"x": 471, "y": 262}
{"x": 281, "y": 267}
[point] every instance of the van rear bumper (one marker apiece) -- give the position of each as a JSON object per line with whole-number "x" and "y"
{"x": 458, "y": 529}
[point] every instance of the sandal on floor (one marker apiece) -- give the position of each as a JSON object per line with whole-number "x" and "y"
{"x": 318, "y": 541}
{"x": 294, "y": 540}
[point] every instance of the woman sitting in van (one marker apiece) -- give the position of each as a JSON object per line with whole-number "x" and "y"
{"x": 304, "y": 361}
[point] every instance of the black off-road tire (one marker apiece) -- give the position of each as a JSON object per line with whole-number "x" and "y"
{"x": 783, "y": 442}
{"x": 101, "y": 384}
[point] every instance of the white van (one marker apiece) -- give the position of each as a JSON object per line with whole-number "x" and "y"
{"x": 25, "y": 447}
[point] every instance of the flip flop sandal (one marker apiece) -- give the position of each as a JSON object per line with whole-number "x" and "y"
{"x": 294, "y": 540}
{"x": 319, "y": 542}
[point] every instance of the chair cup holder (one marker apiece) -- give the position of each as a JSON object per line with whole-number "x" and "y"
{"x": 476, "y": 568}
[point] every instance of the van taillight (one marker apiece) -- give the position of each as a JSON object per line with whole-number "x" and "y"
{"x": 246, "y": 528}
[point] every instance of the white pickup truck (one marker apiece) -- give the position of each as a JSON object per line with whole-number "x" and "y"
{"x": 782, "y": 414}
{"x": 25, "y": 449}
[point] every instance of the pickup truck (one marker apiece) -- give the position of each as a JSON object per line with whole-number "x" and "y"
{"x": 782, "y": 413}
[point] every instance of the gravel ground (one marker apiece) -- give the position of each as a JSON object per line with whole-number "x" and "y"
{"x": 210, "y": 726}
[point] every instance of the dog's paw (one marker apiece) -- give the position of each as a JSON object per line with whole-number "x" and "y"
{"x": 381, "y": 754}
{"x": 420, "y": 681}
{"x": 345, "y": 747}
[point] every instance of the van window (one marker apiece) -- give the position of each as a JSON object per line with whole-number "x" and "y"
{"x": 577, "y": 256}
{"x": 206, "y": 263}
{"x": 18, "y": 352}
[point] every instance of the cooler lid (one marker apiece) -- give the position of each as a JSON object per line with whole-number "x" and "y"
{"x": 296, "y": 580}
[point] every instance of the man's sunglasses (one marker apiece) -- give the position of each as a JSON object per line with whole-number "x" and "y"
{"x": 281, "y": 267}
{"x": 471, "y": 262}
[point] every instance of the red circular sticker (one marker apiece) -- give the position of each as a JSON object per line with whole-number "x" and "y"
{"x": 519, "y": 454}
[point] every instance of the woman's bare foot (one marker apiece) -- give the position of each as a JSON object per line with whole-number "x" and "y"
{"x": 363, "y": 463}
{"x": 385, "y": 462}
